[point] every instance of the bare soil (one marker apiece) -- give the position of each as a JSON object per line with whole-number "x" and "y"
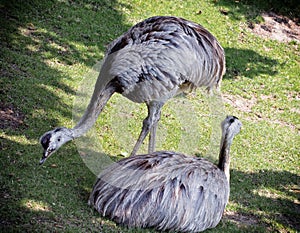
{"x": 10, "y": 117}
{"x": 246, "y": 105}
{"x": 240, "y": 219}
{"x": 277, "y": 27}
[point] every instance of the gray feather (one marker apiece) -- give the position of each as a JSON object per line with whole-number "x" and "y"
{"x": 166, "y": 190}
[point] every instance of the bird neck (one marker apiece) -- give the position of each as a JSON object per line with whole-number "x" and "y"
{"x": 224, "y": 157}
{"x": 99, "y": 99}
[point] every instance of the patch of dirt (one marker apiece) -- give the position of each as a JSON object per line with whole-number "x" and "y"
{"x": 10, "y": 117}
{"x": 277, "y": 27}
{"x": 245, "y": 105}
{"x": 240, "y": 219}
{"x": 240, "y": 103}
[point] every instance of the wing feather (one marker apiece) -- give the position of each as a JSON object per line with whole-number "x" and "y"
{"x": 165, "y": 190}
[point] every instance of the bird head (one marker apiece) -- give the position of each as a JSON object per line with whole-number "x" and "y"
{"x": 52, "y": 140}
{"x": 231, "y": 126}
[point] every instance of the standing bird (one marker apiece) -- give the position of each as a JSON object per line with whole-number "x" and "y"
{"x": 155, "y": 60}
{"x": 167, "y": 190}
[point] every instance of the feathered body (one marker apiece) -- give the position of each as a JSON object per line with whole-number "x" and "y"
{"x": 152, "y": 62}
{"x": 167, "y": 190}
{"x": 162, "y": 56}
{"x": 164, "y": 190}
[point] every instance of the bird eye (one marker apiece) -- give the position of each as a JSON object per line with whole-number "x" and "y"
{"x": 58, "y": 139}
{"x": 231, "y": 120}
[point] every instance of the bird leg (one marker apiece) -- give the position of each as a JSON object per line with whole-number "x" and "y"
{"x": 150, "y": 123}
{"x": 152, "y": 137}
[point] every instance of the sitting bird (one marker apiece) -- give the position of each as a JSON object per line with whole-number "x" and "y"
{"x": 167, "y": 190}
{"x": 152, "y": 62}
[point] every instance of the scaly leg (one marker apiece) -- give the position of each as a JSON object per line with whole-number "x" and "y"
{"x": 150, "y": 122}
{"x": 152, "y": 137}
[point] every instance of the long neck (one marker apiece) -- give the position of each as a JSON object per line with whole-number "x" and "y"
{"x": 224, "y": 157}
{"x": 99, "y": 99}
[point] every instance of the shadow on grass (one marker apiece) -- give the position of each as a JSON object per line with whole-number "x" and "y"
{"x": 251, "y": 9}
{"x": 49, "y": 198}
{"x": 248, "y": 63}
{"x": 270, "y": 197}
{"x": 54, "y": 197}
{"x": 40, "y": 40}
{"x": 37, "y": 36}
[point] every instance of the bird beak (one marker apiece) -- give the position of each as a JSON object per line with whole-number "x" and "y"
{"x": 42, "y": 160}
{"x": 46, "y": 154}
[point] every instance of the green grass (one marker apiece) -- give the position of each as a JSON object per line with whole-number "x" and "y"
{"x": 47, "y": 47}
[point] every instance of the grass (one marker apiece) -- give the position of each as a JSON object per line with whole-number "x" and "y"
{"x": 47, "y": 47}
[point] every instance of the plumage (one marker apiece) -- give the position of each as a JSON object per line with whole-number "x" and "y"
{"x": 167, "y": 190}
{"x": 152, "y": 62}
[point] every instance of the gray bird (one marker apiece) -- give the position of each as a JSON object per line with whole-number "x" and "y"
{"x": 155, "y": 60}
{"x": 167, "y": 190}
